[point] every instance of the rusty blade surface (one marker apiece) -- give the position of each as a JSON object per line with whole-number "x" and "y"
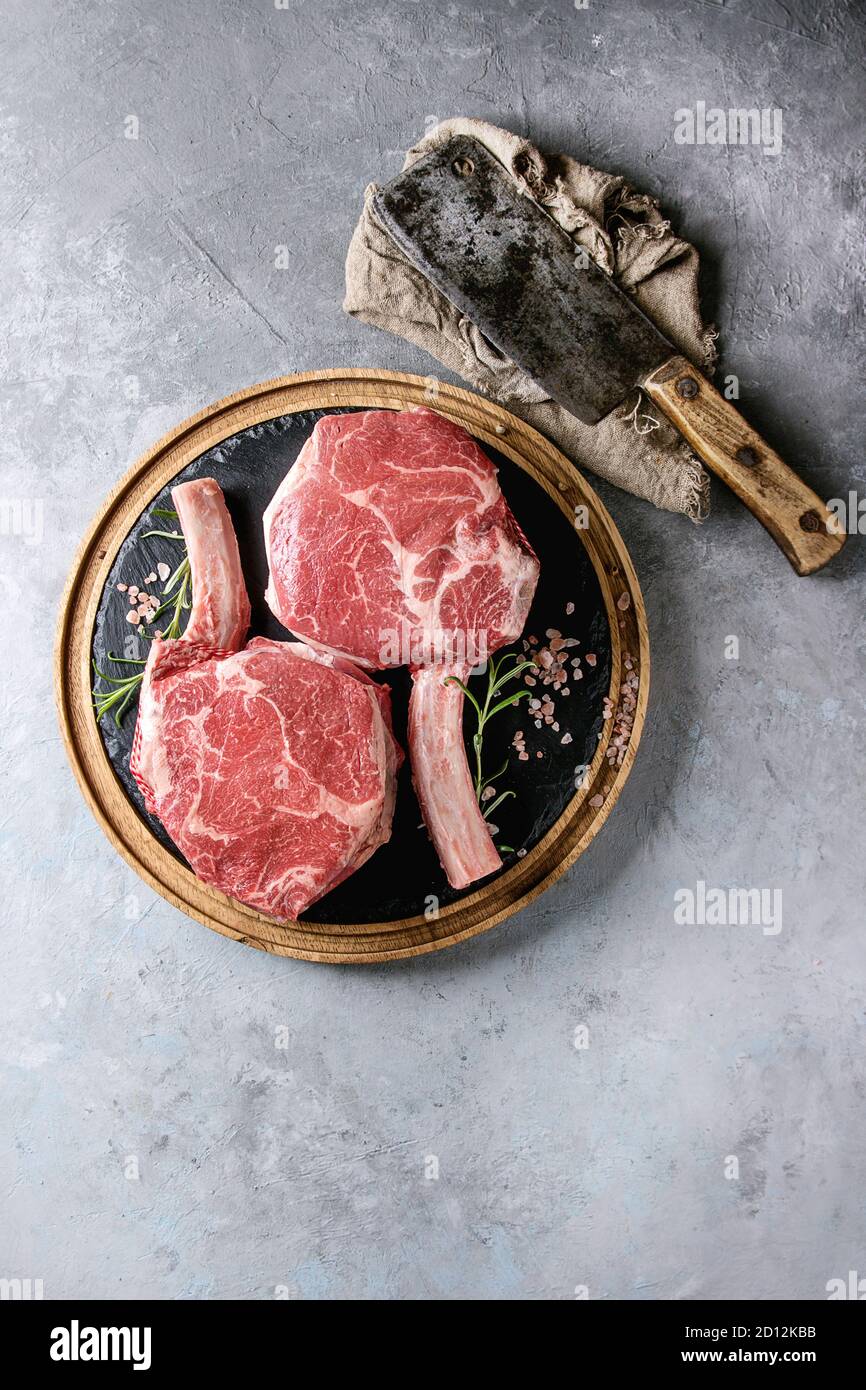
{"x": 495, "y": 254}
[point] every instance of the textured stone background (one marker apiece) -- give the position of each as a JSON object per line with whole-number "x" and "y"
{"x": 129, "y": 1030}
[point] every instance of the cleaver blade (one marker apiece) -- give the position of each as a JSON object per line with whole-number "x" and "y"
{"x": 460, "y": 219}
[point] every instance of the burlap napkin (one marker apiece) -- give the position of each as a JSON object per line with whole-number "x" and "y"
{"x": 624, "y": 232}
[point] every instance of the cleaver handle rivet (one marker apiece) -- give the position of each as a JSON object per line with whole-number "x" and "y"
{"x": 687, "y": 387}
{"x": 463, "y": 166}
{"x": 747, "y": 457}
{"x": 810, "y": 521}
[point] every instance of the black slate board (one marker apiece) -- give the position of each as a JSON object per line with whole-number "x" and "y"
{"x": 402, "y": 876}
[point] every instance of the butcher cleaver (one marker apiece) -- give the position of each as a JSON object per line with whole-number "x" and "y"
{"x": 461, "y": 220}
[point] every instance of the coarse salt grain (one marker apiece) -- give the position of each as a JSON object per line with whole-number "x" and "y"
{"x": 623, "y": 602}
{"x": 569, "y": 608}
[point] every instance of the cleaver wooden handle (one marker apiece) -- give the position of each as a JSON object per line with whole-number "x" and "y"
{"x": 794, "y": 515}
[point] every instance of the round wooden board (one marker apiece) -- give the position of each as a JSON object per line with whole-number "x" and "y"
{"x": 495, "y": 900}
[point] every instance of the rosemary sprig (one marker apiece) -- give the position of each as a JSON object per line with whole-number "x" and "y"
{"x": 124, "y": 689}
{"x": 177, "y": 592}
{"x": 497, "y": 678}
{"x": 179, "y": 589}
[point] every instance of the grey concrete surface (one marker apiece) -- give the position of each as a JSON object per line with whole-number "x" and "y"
{"x": 156, "y": 1141}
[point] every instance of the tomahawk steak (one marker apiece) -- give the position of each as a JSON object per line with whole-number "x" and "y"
{"x": 272, "y": 766}
{"x": 389, "y": 541}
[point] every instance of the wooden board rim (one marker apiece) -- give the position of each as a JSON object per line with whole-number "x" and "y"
{"x": 320, "y": 390}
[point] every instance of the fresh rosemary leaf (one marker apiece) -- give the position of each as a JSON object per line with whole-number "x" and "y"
{"x": 489, "y": 809}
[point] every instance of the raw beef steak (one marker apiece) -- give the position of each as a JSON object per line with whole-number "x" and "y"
{"x": 272, "y": 767}
{"x": 390, "y": 541}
